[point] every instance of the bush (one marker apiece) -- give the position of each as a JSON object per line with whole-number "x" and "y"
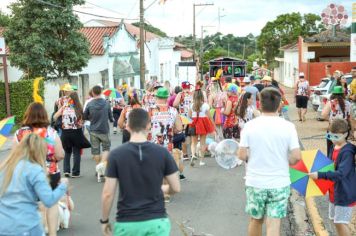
{"x": 21, "y": 95}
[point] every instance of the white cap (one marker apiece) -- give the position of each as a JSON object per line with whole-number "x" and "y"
{"x": 246, "y": 80}
{"x": 100, "y": 85}
{"x": 301, "y": 75}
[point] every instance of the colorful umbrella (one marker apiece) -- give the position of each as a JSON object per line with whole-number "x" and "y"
{"x": 312, "y": 161}
{"x": 185, "y": 119}
{"x": 5, "y": 128}
{"x": 113, "y": 93}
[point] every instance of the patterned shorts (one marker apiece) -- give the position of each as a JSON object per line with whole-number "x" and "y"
{"x": 267, "y": 202}
{"x": 340, "y": 214}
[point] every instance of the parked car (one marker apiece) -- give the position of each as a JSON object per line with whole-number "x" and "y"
{"x": 324, "y": 98}
{"x": 325, "y": 87}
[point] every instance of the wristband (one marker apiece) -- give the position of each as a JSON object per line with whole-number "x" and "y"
{"x": 104, "y": 221}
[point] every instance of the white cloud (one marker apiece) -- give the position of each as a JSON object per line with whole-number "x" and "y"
{"x": 175, "y": 17}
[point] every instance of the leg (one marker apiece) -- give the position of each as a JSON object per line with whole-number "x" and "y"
{"x": 52, "y": 220}
{"x": 202, "y": 148}
{"x": 276, "y": 205}
{"x": 66, "y": 161}
{"x": 304, "y": 112}
{"x": 194, "y": 140}
{"x": 342, "y": 230}
{"x": 255, "y": 227}
{"x": 76, "y": 162}
{"x": 273, "y": 226}
{"x": 106, "y": 144}
{"x": 95, "y": 147}
{"x": 300, "y": 114}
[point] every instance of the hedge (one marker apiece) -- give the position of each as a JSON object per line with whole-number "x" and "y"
{"x": 21, "y": 95}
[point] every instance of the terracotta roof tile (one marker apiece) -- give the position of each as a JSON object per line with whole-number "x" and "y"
{"x": 291, "y": 46}
{"x": 327, "y": 36}
{"x": 95, "y": 37}
{"x": 135, "y": 31}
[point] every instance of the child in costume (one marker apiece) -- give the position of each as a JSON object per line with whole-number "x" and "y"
{"x": 342, "y": 195}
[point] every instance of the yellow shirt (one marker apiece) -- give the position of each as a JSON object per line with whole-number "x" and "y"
{"x": 353, "y": 87}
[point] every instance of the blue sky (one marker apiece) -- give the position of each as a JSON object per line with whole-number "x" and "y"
{"x": 240, "y": 17}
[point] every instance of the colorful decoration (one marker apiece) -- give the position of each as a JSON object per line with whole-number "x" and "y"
{"x": 219, "y": 74}
{"x": 36, "y": 85}
{"x": 5, "y": 128}
{"x": 312, "y": 161}
{"x": 185, "y": 119}
{"x": 113, "y": 93}
{"x": 334, "y": 15}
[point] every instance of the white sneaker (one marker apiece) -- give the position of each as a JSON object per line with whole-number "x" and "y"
{"x": 239, "y": 162}
{"x": 202, "y": 163}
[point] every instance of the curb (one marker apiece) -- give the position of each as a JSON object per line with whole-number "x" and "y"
{"x": 315, "y": 218}
{"x": 298, "y": 220}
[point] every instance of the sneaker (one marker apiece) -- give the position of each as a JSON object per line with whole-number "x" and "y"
{"x": 67, "y": 175}
{"x": 202, "y": 163}
{"x": 182, "y": 177}
{"x": 186, "y": 157}
{"x": 76, "y": 176}
{"x": 167, "y": 199}
{"x": 114, "y": 131}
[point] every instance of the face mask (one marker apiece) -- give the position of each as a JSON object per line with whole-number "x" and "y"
{"x": 335, "y": 137}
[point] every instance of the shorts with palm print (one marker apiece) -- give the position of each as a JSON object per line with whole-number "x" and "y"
{"x": 272, "y": 203}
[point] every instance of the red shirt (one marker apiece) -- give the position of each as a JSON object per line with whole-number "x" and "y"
{"x": 331, "y": 190}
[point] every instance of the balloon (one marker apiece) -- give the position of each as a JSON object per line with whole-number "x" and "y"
{"x": 225, "y": 154}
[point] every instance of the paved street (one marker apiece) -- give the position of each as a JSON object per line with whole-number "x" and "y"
{"x": 212, "y": 199}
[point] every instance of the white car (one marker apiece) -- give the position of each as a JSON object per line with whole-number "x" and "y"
{"x": 318, "y": 91}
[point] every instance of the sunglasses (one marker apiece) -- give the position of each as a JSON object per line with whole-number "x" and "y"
{"x": 335, "y": 137}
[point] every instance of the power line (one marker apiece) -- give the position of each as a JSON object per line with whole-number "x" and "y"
{"x": 85, "y": 13}
{"x": 133, "y": 8}
{"x": 108, "y": 9}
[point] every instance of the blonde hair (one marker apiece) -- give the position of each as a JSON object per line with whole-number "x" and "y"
{"x": 32, "y": 148}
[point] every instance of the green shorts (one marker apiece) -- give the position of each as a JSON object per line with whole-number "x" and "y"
{"x": 272, "y": 203}
{"x": 156, "y": 227}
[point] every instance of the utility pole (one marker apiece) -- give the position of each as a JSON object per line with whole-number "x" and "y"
{"x": 142, "y": 46}
{"x": 7, "y": 90}
{"x": 194, "y": 38}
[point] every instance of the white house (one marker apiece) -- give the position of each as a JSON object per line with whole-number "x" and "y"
{"x": 287, "y": 72}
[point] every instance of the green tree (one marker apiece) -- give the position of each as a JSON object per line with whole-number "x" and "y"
{"x": 4, "y": 19}
{"x": 44, "y": 39}
{"x": 152, "y": 29}
{"x": 285, "y": 30}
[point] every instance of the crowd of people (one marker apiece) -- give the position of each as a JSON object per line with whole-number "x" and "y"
{"x": 161, "y": 127}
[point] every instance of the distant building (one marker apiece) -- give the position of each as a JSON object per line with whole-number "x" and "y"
{"x": 287, "y": 71}
{"x": 326, "y": 48}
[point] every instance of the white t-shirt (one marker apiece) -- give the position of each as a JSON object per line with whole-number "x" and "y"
{"x": 269, "y": 139}
{"x": 204, "y": 108}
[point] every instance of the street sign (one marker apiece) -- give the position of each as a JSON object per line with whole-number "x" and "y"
{"x": 309, "y": 55}
{"x": 2, "y": 46}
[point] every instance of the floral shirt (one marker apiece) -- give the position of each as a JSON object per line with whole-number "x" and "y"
{"x": 336, "y": 112}
{"x": 69, "y": 118}
{"x": 50, "y": 135}
{"x": 149, "y": 100}
{"x": 185, "y": 102}
{"x": 162, "y": 123}
{"x": 230, "y": 120}
{"x": 302, "y": 89}
{"x": 126, "y": 111}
